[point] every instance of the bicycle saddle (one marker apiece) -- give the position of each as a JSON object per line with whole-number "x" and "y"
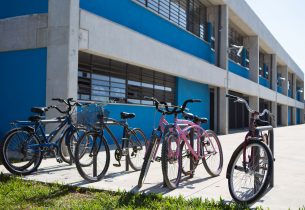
{"x": 189, "y": 116}
{"x": 34, "y": 118}
{"x": 39, "y": 110}
{"x": 126, "y": 115}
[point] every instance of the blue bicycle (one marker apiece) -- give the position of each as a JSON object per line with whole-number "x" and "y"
{"x": 23, "y": 147}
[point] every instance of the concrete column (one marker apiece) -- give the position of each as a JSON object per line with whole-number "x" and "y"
{"x": 254, "y": 102}
{"x": 223, "y": 117}
{"x": 284, "y": 115}
{"x": 253, "y": 42}
{"x": 274, "y": 72}
{"x": 294, "y": 116}
{"x": 274, "y": 112}
{"x": 223, "y": 41}
{"x": 284, "y": 70}
{"x": 62, "y": 64}
{"x": 294, "y": 86}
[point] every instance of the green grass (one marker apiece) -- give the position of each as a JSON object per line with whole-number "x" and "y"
{"x": 16, "y": 193}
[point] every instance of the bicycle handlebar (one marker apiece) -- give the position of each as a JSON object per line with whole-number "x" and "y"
{"x": 241, "y": 100}
{"x": 175, "y": 110}
{"x": 69, "y": 102}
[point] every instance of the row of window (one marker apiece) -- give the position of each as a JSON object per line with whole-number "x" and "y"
{"x": 102, "y": 79}
{"x": 190, "y": 15}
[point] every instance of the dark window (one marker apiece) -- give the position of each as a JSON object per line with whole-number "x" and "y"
{"x": 235, "y": 38}
{"x": 188, "y": 14}
{"x": 102, "y": 79}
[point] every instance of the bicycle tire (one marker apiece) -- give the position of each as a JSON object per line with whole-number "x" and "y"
{"x": 135, "y": 158}
{"x": 210, "y": 171}
{"x": 81, "y": 168}
{"x": 4, "y": 146}
{"x": 72, "y": 140}
{"x": 147, "y": 159}
{"x": 266, "y": 176}
{"x": 165, "y": 159}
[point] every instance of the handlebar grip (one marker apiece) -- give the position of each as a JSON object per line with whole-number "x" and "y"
{"x": 58, "y": 99}
{"x": 148, "y": 98}
{"x": 196, "y": 100}
{"x": 231, "y": 96}
{"x": 70, "y": 99}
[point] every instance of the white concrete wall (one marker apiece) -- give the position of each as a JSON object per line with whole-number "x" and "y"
{"x": 105, "y": 38}
{"x": 23, "y": 32}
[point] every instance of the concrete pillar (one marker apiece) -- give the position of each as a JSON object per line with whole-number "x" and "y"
{"x": 294, "y": 116}
{"x": 254, "y": 102}
{"x": 253, "y": 43}
{"x": 223, "y": 41}
{"x": 284, "y": 115}
{"x": 62, "y": 64}
{"x": 284, "y": 70}
{"x": 222, "y": 62}
{"x": 294, "y": 86}
{"x": 223, "y": 116}
{"x": 274, "y": 112}
{"x": 274, "y": 72}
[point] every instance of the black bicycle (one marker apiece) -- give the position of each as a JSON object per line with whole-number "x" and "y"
{"x": 251, "y": 166}
{"x": 23, "y": 147}
{"x": 92, "y": 155}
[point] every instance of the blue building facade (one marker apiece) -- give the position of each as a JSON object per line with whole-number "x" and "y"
{"x": 193, "y": 34}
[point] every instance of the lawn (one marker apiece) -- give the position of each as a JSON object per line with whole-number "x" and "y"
{"x": 16, "y": 193}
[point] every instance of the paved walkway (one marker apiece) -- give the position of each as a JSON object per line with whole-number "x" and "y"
{"x": 288, "y": 192}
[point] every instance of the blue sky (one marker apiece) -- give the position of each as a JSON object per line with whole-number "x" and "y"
{"x": 285, "y": 19}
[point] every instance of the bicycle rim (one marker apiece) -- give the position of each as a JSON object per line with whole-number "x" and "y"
{"x": 249, "y": 179}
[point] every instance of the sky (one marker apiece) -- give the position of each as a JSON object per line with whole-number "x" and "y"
{"x": 285, "y": 19}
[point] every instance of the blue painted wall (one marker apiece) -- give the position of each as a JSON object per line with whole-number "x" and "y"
{"x": 142, "y": 20}
{"x": 187, "y": 89}
{"x": 279, "y": 89}
{"x": 22, "y": 84}
{"x": 298, "y": 116}
{"x": 238, "y": 69}
{"x": 11, "y": 8}
{"x": 289, "y": 115}
{"x": 146, "y": 116}
{"x": 264, "y": 82}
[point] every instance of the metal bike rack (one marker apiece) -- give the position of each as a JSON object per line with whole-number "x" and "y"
{"x": 271, "y": 146}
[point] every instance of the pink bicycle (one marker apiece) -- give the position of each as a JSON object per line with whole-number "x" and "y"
{"x": 191, "y": 142}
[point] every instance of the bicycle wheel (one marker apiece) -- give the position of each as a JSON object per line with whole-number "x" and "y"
{"x": 151, "y": 150}
{"x": 171, "y": 160}
{"x": 92, "y": 156}
{"x": 212, "y": 153}
{"x": 136, "y": 149}
{"x": 71, "y": 142}
{"x": 20, "y": 151}
{"x": 249, "y": 174}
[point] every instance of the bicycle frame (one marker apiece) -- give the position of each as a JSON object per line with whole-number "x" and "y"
{"x": 182, "y": 136}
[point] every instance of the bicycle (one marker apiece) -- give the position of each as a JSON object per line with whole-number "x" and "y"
{"x": 25, "y": 145}
{"x": 251, "y": 165}
{"x": 92, "y": 155}
{"x": 200, "y": 145}
{"x": 155, "y": 139}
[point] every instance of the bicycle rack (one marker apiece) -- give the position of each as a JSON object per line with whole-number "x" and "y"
{"x": 271, "y": 146}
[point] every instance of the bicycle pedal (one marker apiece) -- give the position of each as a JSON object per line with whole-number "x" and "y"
{"x": 117, "y": 165}
{"x": 59, "y": 160}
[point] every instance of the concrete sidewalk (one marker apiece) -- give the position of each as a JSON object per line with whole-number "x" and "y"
{"x": 288, "y": 192}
